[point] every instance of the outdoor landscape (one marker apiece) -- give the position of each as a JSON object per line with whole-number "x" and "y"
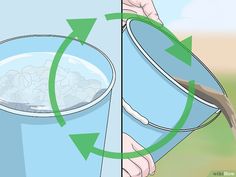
{"x": 211, "y": 149}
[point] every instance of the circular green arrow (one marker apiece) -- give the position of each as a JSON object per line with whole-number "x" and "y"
{"x": 85, "y": 142}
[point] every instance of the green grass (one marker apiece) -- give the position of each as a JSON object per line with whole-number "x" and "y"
{"x": 210, "y": 149}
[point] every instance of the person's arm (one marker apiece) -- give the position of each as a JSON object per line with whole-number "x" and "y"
{"x": 141, "y": 7}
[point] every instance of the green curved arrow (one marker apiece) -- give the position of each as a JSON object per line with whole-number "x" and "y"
{"x": 81, "y": 29}
{"x": 85, "y": 142}
{"x": 181, "y": 50}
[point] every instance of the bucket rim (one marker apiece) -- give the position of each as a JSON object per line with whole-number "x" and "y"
{"x": 66, "y": 112}
{"x": 164, "y": 73}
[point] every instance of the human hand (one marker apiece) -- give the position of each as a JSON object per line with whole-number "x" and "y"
{"x": 141, "y": 7}
{"x": 136, "y": 167}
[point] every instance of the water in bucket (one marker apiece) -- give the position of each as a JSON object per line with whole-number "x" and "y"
{"x": 151, "y": 88}
{"x": 32, "y": 142}
{"x": 24, "y": 86}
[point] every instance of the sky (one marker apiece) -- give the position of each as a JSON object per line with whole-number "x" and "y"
{"x": 198, "y": 15}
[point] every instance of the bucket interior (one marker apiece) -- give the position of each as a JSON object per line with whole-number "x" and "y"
{"x": 154, "y": 43}
{"x": 79, "y": 65}
{"x": 156, "y": 96}
{"x": 148, "y": 88}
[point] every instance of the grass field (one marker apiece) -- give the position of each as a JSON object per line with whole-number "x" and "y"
{"x": 210, "y": 149}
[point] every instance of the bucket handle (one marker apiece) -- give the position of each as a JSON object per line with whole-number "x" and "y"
{"x": 135, "y": 114}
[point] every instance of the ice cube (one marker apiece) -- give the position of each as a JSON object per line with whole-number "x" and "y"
{"x": 29, "y": 86}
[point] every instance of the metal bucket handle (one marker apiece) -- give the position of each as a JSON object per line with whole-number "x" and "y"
{"x": 135, "y": 114}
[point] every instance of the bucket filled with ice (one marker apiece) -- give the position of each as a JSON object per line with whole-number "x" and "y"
{"x": 156, "y": 89}
{"x": 33, "y": 144}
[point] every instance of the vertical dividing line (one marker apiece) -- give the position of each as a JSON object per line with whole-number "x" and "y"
{"x": 121, "y": 31}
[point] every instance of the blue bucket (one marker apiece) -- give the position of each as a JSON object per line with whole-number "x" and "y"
{"x": 33, "y": 144}
{"x": 150, "y": 88}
